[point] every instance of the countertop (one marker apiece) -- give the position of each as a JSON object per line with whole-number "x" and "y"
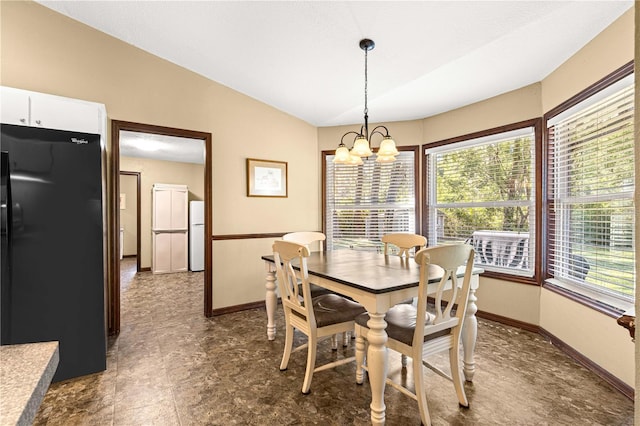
{"x": 25, "y": 374}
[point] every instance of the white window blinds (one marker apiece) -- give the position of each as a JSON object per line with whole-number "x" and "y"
{"x": 362, "y": 203}
{"x": 482, "y": 191}
{"x": 591, "y": 184}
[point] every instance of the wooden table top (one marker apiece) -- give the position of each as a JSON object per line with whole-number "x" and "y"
{"x": 369, "y": 271}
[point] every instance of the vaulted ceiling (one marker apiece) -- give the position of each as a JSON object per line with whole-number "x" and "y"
{"x": 303, "y": 57}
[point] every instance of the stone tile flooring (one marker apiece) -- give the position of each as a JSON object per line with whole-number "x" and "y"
{"x": 172, "y": 366}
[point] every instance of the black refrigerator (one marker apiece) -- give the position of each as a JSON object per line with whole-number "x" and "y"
{"x": 53, "y": 282}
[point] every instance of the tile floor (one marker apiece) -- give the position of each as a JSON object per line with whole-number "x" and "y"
{"x": 172, "y": 366}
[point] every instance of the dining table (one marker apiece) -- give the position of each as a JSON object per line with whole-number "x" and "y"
{"x": 377, "y": 282}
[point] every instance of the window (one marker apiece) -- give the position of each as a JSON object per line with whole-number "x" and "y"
{"x": 362, "y": 203}
{"x": 481, "y": 190}
{"x": 591, "y": 186}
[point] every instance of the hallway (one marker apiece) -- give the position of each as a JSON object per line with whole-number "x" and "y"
{"x": 172, "y": 366}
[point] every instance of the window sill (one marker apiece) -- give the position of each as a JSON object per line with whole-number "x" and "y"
{"x": 602, "y": 303}
{"x": 508, "y": 277}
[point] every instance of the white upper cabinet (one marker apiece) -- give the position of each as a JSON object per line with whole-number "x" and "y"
{"x": 25, "y": 108}
{"x": 14, "y": 107}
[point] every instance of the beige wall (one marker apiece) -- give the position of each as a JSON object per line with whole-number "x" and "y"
{"x": 129, "y": 215}
{"x": 596, "y": 336}
{"x": 47, "y": 52}
{"x": 156, "y": 171}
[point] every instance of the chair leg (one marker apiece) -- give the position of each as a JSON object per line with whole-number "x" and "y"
{"x": 360, "y": 353}
{"x": 403, "y": 360}
{"x": 346, "y": 338}
{"x": 288, "y": 346}
{"x": 334, "y": 342}
{"x": 456, "y": 377}
{"x": 421, "y": 392}
{"x": 311, "y": 363}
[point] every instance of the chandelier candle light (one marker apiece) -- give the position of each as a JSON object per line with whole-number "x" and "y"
{"x": 387, "y": 151}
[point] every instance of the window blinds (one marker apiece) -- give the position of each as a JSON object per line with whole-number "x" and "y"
{"x": 365, "y": 202}
{"x": 591, "y": 184}
{"x": 482, "y": 191}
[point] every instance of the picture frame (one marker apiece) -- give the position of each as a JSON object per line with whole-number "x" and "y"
{"x": 267, "y": 178}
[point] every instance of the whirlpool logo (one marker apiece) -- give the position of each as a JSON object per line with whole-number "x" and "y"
{"x": 79, "y": 141}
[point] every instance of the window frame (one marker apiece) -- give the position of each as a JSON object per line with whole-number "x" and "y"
{"x": 600, "y": 302}
{"x": 416, "y": 164}
{"x": 536, "y": 124}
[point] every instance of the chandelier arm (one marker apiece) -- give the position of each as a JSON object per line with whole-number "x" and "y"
{"x": 375, "y": 130}
{"x": 348, "y": 133}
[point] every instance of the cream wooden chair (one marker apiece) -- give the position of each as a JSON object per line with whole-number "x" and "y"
{"x": 441, "y": 330}
{"x": 307, "y": 238}
{"x": 401, "y": 244}
{"x": 318, "y": 317}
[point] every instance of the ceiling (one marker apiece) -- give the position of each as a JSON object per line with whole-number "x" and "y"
{"x": 303, "y": 57}
{"x": 161, "y": 147}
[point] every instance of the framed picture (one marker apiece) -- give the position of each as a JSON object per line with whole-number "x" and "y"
{"x": 266, "y": 178}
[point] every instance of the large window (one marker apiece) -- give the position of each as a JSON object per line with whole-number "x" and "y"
{"x": 362, "y": 203}
{"x": 591, "y": 186}
{"x": 481, "y": 190}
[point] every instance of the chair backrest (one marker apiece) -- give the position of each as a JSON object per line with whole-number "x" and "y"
{"x": 306, "y": 238}
{"x": 287, "y": 255}
{"x": 403, "y": 242}
{"x": 448, "y": 259}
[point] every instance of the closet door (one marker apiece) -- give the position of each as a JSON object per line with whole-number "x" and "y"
{"x": 179, "y": 252}
{"x": 170, "y": 228}
{"x": 162, "y": 252}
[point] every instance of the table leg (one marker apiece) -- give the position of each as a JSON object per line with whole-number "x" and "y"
{"x": 469, "y": 336}
{"x": 271, "y": 300}
{"x": 377, "y": 364}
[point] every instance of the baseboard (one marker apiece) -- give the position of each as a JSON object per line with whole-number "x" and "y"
{"x": 237, "y": 308}
{"x": 147, "y": 269}
{"x": 508, "y": 321}
{"x": 129, "y": 255}
{"x": 618, "y": 384}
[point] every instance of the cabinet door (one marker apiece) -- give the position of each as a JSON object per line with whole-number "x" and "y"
{"x": 179, "y": 209}
{"x": 161, "y": 253}
{"x": 14, "y": 107}
{"x": 162, "y": 213}
{"x": 179, "y": 261}
{"x": 53, "y": 112}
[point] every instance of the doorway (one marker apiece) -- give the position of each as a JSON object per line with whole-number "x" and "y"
{"x": 130, "y": 217}
{"x": 113, "y": 311}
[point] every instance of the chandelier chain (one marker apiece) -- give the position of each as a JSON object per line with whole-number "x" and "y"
{"x": 366, "y": 109}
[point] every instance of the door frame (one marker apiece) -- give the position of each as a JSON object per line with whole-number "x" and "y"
{"x": 138, "y": 215}
{"x": 113, "y": 304}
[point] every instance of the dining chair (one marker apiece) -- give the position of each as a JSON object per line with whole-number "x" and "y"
{"x": 317, "y": 317}
{"x": 441, "y": 329}
{"x": 402, "y": 243}
{"x": 307, "y": 238}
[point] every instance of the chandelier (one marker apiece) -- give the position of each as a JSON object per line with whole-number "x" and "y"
{"x": 387, "y": 151}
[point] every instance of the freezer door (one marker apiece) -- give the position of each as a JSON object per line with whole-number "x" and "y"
{"x": 56, "y": 245}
